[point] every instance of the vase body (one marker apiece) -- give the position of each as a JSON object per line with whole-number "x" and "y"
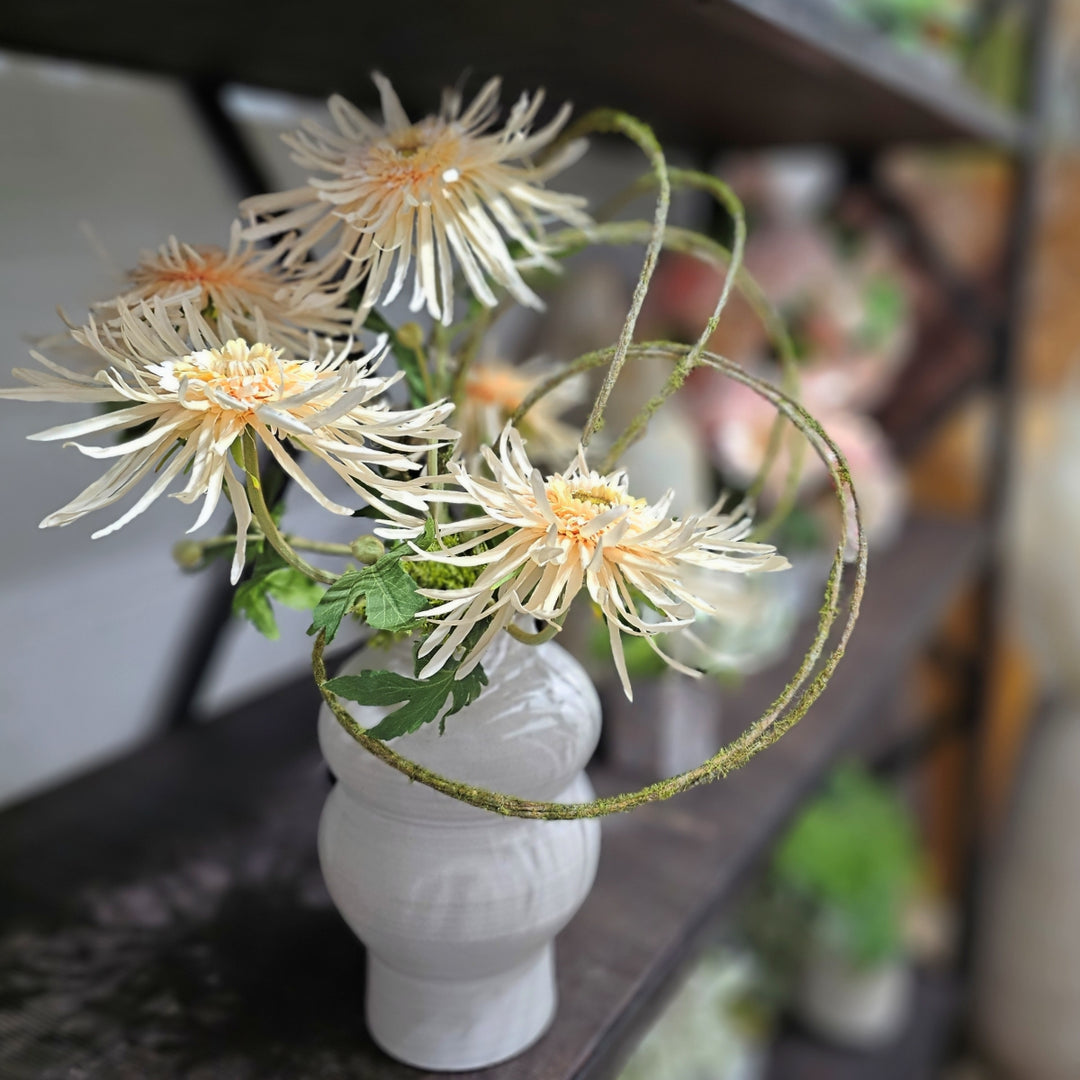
{"x": 458, "y": 907}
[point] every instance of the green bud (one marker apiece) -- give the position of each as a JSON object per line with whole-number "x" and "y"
{"x": 188, "y": 554}
{"x": 411, "y": 336}
{"x": 367, "y": 549}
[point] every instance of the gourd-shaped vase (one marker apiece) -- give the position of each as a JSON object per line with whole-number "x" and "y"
{"x": 459, "y": 907}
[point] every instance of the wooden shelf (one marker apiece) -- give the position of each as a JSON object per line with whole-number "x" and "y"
{"x": 166, "y": 912}
{"x": 709, "y": 73}
{"x": 916, "y": 1055}
{"x": 948, "y": 366}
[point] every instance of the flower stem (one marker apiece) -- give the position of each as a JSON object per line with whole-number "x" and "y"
{"x": 266, "y": 520}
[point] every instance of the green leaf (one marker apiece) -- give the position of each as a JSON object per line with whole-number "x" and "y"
{"x": 251, "y": 602}
{"x": 272, "y": 577}
{"x": 292, "y": 588}
{"x": 423, "y": 699}
{"x": 338, "y": 600}
{"x": 392, "y": 599}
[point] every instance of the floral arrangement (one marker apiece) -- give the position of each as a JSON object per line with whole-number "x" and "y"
{"x": 226, "y": 371}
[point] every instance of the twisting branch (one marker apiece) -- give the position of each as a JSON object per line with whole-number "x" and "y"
{"x": 730, "y": 201}
{"x": 608, "y": 120}
{"x": 569, "y": 241}
{"x": 788, "y": 708}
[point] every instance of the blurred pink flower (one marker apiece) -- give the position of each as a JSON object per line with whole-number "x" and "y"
{"x": 737, "y": 422}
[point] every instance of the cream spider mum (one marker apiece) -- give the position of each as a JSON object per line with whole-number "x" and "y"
{"x": 494, "y": 390}
{"x": 238, "y": 282}
{"x": 540, "y": 540}
{"x": 420, "y": 193}
{"x": 199, "y": 393}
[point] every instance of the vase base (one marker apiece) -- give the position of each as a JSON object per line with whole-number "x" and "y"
{"x": 455, "y": 1025}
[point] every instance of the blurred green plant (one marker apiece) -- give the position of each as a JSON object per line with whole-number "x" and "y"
{"x": 852, "y": 857}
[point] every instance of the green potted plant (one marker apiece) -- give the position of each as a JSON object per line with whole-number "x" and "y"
{"x": 849, "y": 863}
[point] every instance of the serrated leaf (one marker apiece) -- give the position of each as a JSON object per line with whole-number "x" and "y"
{"x": 392, "y": 599}
{"x": 338, "y": 600}
{"x": 251, "y": 602}
{"x": 423, "y": 698}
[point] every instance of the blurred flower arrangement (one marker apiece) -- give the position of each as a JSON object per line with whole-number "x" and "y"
{"x": 847, "y": 304}
{"x": 851, "y": 329}
{"x": 224, "y": 370}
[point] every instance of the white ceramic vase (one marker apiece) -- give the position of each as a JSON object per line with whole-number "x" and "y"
{"x": 860, "y": 1008}
{"x": 458, "y": 907}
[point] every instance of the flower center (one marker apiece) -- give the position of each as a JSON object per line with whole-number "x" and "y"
{"x": 215, "y": 270}
{"x": 250, "y": 375}
{"x": 579, "y": 502}
{"x": 417, "y": 160}
{"x": 601, "y": 499}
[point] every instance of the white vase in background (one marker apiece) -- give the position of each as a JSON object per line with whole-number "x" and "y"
{"x": 458, "y": 907}
{"x": 1028, "y": 955}
{"x": 863, "y": 1008}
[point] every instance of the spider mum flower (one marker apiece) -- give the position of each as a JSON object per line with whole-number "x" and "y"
{"x": 239, "y": 282}
{"x": 493, "y": 392}
{"x": 541, "y": 540}
{"x": 446, "y": 189}
{"x": 199, "y": 394}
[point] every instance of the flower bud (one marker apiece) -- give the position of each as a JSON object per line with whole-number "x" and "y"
{"x": 367, "y": 548}
{"x": 188, "y": 554}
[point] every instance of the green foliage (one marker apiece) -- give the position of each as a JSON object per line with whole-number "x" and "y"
{"x": 853, "y": 855}
{"x": 389, "y": 592}
{"x": 884, "y": 308}
{"x": 273, "y": 578}
{"x": 423, "y": 699}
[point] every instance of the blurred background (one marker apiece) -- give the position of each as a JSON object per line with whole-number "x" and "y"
{"x": 901, "y": 895}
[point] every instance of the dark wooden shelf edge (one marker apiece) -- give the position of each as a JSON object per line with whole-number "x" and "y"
{"x": 722, "y": 72}
{"x": 918, "y": 76}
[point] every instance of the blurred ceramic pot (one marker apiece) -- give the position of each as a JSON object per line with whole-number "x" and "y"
{"x": 859, "y": 1007}
{"x": 1028, "y": 952}
{"x": 673, "y": 724}
{"x": 458, "y": 907}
